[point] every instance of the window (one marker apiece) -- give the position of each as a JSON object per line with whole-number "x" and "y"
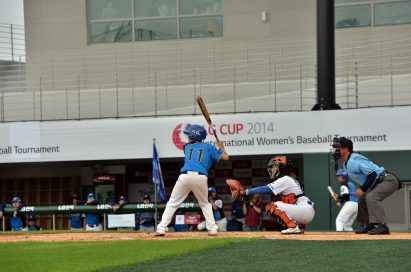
{"x": 353, "y": 16}
{"x": 149, "y": 20}
{"x": 355, "y": 13}
{"x": 393, "y": 13}
{"x": 196, "y": 27}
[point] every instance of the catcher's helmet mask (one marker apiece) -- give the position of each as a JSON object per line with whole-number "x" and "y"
{"x": 278, "y": 166}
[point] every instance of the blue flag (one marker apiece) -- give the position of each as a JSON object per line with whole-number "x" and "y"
{"x": 157, "y": 176}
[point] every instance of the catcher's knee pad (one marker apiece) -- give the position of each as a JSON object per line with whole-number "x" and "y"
{"x": 280, "y": 215}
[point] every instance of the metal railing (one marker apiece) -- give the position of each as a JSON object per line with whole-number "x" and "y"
{"x": 267, "y": 76}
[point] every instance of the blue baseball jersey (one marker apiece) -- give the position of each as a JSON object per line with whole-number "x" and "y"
{"x": 76, "y": 220}
{"x": 146, "y": 219}
{"x": 352, "y": 188}
{"x": 17, "y": 223}
{"x": 92, "y": 219}
{"x": 359, "y": 167}
{"x": 199, "y": 157}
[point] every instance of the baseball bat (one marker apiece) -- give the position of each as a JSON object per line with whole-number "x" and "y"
{"x": 206, "y": 115}
{"x": 331, "y": 192}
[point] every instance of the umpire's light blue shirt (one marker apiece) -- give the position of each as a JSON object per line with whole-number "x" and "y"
{"x": 359, "y": 167}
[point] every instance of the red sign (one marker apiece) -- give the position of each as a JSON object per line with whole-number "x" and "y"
{"x": 104, "y": 178}
{"x": 192, "y": 219}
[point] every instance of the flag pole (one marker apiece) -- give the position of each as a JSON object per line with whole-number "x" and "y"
{"x": 155, "y": 195}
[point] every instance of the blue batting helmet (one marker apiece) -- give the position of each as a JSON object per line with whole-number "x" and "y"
{"x": 341, "y": 172}
{"x": 16, "y": 199}
{"x": 212, "y": 190}
{"x": 196, "y": 133}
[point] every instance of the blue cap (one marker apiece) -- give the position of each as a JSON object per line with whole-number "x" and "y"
{"x": 123, "y": 198}
{"x": 146, "y": 196}
{"x": 212, "y": 190}
{"x": 91, "y": 195}
{"x": 341, "y": 172}
{"x": 16, "y": 199}
{"x": 32, "y": 217}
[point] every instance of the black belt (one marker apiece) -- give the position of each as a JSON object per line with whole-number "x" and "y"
{"x": 379, "y": 179}
{"x": 185, "y": 172}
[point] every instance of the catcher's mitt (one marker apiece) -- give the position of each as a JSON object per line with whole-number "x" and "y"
{"x": 235, "y": 188}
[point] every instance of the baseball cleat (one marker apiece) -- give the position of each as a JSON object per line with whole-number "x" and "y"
{"x": 295, "y": 230}
{"x": 157, "y": 233}
{"x": 213, "y": 232}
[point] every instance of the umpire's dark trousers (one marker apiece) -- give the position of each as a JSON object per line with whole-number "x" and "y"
{"x": 370, "y": 209}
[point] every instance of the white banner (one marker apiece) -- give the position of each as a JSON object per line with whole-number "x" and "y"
{"x": 376, "y": 129}
{"x": 121, "y": 220}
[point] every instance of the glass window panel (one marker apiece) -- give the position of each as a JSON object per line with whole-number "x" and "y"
{"x": 350, "y": 1}
{"x": 110, "y": 32}
{"x": 110, "y": 9}
{"x": 353, "y": 16}
{"x": 154, "y": 8}
{"x": 197, "y": 27}
{"x": 392, "y": 13}
{"x": 200, "y": 6}
{"x": 148, "y": 30}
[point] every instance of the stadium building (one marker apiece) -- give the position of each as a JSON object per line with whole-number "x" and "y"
{"x": 102, "y": 78}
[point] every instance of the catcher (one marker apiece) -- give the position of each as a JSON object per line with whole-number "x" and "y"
{"x": 293, "y": 209}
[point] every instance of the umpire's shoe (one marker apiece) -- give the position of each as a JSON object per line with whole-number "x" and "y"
{"x": 380, "y": 229}
{"x": 365, "y": 229}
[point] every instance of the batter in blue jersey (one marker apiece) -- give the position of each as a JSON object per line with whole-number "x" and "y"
{"x": 198, "y": 158}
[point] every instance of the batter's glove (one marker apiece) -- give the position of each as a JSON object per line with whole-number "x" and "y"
{"x": 235, "y": 187}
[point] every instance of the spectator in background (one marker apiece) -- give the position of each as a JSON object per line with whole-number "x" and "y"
{"x": 252, "y": 210}
{"x": 234, "y": 224}
{"x": 31, "y": 224}
{"x": 122, "y": 201}
{"x": 76, "y": 220}
{"x": 1, "y": 211}
{"x": 217, "y": 207}
{"x": 237, "y": 209}
{"x": 92, "y": 219}
{"x": 18, "y": 220}
{"x": 146, "y": 219}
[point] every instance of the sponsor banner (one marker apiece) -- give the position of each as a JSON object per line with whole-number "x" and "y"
{"x": 121, "y": 220}
{"x": 376, "y": 129}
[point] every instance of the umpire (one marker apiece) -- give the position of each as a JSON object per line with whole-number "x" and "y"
{"x": 375, "y": 183}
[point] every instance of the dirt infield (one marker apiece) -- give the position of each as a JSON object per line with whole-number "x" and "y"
{"x": 113, "y": 236}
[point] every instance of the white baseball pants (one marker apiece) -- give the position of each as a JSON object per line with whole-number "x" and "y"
{"x": 346, "y": 216}
{"x": 186, "y": 183}
{"x": 302, "y": 213}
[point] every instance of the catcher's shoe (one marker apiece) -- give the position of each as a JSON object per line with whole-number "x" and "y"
{"x": 295, "y": 230}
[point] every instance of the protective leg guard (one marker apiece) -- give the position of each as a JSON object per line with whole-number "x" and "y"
{"x": 280, "y": 215}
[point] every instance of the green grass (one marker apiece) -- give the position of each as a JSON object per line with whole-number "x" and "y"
{"x": 208, "y": 255}
{"x": 283, "y": 255}
{"x": 96, "y": 256}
